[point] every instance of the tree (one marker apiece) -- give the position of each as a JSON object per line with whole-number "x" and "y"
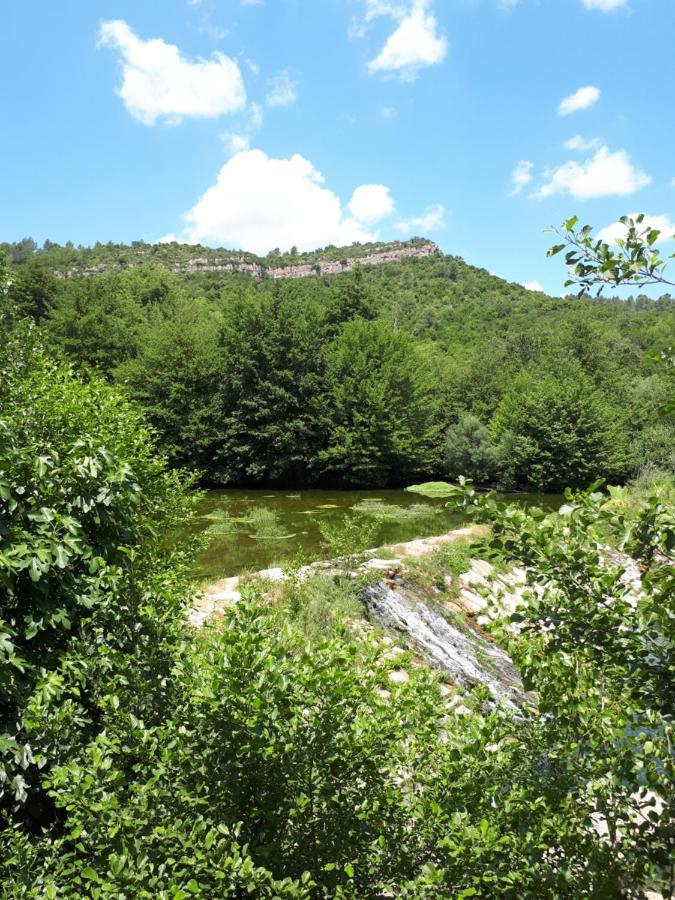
{"x": 33, "y": 289}
{"x": 469, "y": 450}
{"x": 272, "y": 344}
{"x": 177, "y": 377}
{"x": 378, "y": 406}
{"x": 352, "y": 300}
{"x": 555, "y": 429}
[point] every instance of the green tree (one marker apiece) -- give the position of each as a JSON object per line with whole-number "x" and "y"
{"x": 272, "y": 344}
{"x": 555, "y": 429}
{"x": 33, "y": 289}
{"x": 379, "y": 409}
{"x": 469, "y": 450}
{"x": 177, "y": 376}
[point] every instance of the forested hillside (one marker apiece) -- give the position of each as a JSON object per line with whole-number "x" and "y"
{"x": 420, "y": 366}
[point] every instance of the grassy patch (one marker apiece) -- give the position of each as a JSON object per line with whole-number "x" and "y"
{"x": 318, "y": 607}
{"x": 448, "y": 560}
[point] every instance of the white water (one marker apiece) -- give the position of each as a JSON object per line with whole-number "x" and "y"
{"x": 466, "y": 657}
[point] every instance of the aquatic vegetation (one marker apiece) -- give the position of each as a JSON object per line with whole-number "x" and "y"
{"x": 223, "y": 523}
{"x": 393, "y": 513}
{"x": 266, "y": 525}
{"x": 431, "y": 489}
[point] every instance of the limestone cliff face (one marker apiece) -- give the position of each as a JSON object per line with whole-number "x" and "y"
{"x": 306, "y": 270}
{"x": 231, "y": 264}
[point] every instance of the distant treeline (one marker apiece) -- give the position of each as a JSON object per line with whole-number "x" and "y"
{"x": 419, "y": 367}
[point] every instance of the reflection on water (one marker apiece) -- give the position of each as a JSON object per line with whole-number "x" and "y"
{"x": 257, "y": 529}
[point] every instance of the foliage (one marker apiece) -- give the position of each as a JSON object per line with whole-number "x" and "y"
{"x": 592, "y": 262}
{"x": 178, "y": 360}
{"x": 246, "y": 759}
{"x": 349, "y": 535}
{"x": 469, "y": 450}
{"x": 555, "y": 429}
{"x": 242, "y": 378}
{"x": 86, "y": 508}
{"x": 379, "y": 409}
{"x": 271, "y": 379}
{"x": 596, "y": 643}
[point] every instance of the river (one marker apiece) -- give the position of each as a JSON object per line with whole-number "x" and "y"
{"x": 249, "y": 530}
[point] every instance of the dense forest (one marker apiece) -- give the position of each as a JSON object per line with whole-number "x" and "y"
{"x": 419, "y": 366}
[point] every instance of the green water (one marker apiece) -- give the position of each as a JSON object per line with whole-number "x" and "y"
{"x": 250, "y": 530}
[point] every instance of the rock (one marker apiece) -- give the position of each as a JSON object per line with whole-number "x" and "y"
{"x": 399, "y": 676}
{"x": 471, "y": 601}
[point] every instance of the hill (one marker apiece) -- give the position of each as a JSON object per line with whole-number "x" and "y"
{"x": 369, "y": 364}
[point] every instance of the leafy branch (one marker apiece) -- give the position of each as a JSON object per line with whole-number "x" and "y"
{"x": 633, "y": 260}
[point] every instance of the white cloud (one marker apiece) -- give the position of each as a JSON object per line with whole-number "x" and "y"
{"x": 160, "y": 84}
{"x": 235, "y": 142}
{"x": 414, "y": 44}
{"x": 283, "y": 90}
{"x": 169, "y": 238}
{"x": 521, "y": 176}
{"x": 532, "y": 286}
{"x": 663, "y": 223}
{"x": 259, "y": 203}
{"x": 581, "y": 99}
{"x": 387, "y": 112}
{"x": 580, "y": 143}
{"x": 604, "y": 174}
{"x": 249, "y": 125}
{"x": 604, "y": 5}
{"x": 371, "y": 203}
{"x": 431, "y": 219}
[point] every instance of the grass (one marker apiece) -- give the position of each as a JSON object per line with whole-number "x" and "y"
{"x": 318, "y": 607}
{"x": 452, "y": 560}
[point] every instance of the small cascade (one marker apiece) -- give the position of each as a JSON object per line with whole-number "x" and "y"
{"x": 466, "y": 657}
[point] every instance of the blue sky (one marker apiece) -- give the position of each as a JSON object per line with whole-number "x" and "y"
{"x": 476, "y": 123}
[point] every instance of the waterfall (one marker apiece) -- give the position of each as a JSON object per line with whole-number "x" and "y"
{"x": 465, "y": 656}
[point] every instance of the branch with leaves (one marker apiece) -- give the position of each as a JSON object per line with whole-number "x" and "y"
{"x": 592, "y": 263}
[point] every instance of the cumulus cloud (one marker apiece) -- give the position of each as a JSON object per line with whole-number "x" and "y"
{"x": 604, "y": 5}
{"x": 160, "y": 84}
{"x": 521, "y": 176}
{"x": 581, "y": 99}
{"x": 259, "y": 203}
{"x": 371, "y": 203}
{"x": 431, "y": 219}
{"x": 532, "y": 286}
{"x": 283, "y": 91}
{"x": 579, "y": 143}
{"x": 604, "y": 174}
{"x": 413, "y": 45}
{"x": 663, "y": 223}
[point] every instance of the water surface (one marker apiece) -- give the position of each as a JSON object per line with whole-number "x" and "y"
{"x": 250, "y": 530}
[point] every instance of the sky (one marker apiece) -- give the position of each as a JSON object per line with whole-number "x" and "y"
{"x": 257, "y": 124}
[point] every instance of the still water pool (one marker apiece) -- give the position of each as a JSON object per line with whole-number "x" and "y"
{"x": 249, "y": 530}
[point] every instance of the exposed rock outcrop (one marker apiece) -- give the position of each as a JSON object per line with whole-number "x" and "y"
{"x": 232, "y": 264}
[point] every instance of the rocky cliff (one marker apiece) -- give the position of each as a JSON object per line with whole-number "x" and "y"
{"x": 232, "y": 263}
{"x": 306, "y": 270}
